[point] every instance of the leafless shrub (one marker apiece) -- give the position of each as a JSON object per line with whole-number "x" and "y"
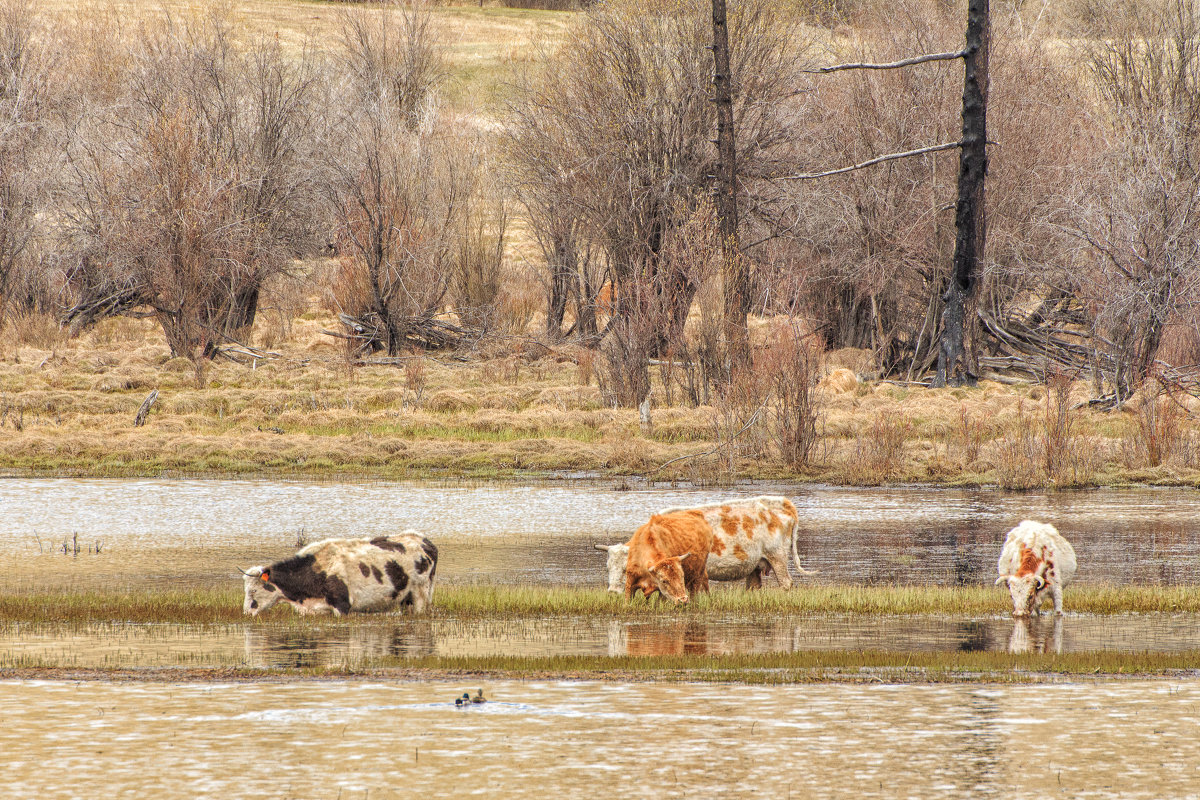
{"x": 1058, "y": 426}
{"x": 740, "y": 419}
{"x": 1018, "y": 454}
{"x": 878, "y": 453}
{"x": 1135, "y": 209}
{"x": 972, "y": 432}
{"x": 1158, "y": 434}
{"x": 192, "y": 191}
{"x": 391, "y": 56}
{"x": 416, "y": 378}
{"x": 611, "y": 153}
{"x": 792, "y": 363}
{"x": 25, "y": 76}
{"x": 417, "y": 223}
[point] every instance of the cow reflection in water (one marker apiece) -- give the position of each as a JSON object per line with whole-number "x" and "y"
{"x": 336, "y": 646}
{"x": 654, "y": 639}
{"x": 1035, "y": 635}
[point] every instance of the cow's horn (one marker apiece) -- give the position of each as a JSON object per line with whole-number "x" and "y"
{"x": 239, "y": 569}
{"x": 1001, "y": 579}
{"x": 1040, "y": 581}
{"x": 685, "y": 555}
{"x": 601, "y": 547}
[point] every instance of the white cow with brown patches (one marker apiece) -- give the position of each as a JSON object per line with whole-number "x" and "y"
{"x": 1035, "y": 561}
{"x": 750, "y": 538}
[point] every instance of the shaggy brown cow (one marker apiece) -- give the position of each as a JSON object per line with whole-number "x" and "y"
{"x": 668, "y": 555}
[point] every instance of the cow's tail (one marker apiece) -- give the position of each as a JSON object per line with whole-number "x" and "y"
{"x": 795, "y": 552}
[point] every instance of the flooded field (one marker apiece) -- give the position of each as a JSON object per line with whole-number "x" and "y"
{"x": 318, "y": 740}
{"x": 194, "y": 533}
{"x": 367, "y": 644}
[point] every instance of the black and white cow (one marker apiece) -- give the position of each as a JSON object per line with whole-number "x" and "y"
{"x": 343, "y": 575}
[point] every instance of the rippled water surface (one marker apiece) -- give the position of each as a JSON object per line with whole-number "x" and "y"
{"x": 352, "y": 740}
{"x": 195, "y": 532}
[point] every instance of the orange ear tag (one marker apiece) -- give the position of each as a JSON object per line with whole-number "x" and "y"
{"x": 266, "y": 577}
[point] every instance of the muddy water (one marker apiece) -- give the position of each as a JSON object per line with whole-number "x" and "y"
{"x": 194, "y": 533}
{"x": 318, "y": 740}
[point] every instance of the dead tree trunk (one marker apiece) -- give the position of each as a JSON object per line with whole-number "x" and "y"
{"x": 736, "y": 279}
{"x": 969, "y": 215}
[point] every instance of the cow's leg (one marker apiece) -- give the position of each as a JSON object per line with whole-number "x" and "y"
{"x": 699, "y": 584}
{"x": 781, "y": 569}
{"x": 1057, "y": 591}
{"x": 754, "y": 579}
{"x": 419, "y": 601}
{"x": 339, "y": 604}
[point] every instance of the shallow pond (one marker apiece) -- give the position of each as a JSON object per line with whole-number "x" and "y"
{"x": 318, "y": 740}
{"x": 194, "y": 533}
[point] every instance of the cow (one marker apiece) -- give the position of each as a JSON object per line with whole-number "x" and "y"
{"x": 1035, "y": 560}
{"x": 750, "y": 538}
{"x": 343, "y": 575}
{"x": 668, "y": 555}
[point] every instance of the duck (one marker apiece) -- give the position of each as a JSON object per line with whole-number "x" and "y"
{"x": 465, "y": 700}
{"x": 479, "y": 698}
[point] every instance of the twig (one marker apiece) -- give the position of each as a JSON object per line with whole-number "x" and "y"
{"x": 907, "y": 62}
{"x": 720, "y": 445}
{"x": 889, "y": 157}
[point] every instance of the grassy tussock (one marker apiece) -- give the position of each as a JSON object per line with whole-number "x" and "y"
{"x": 221, "y": 606}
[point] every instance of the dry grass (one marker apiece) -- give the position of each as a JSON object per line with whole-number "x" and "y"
{"x": 67, "y": 408}
{"x": 481, "y": 44}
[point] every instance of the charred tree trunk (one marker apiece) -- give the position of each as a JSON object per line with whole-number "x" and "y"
{"x": 736, "y": 278}
{"x": 969, "y": 215}
{"x": 561, "y": 273}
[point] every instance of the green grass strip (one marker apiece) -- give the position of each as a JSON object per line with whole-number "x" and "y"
{"x": 218, "y": 606}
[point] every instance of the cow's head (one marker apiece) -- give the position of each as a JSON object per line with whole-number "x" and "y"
{"x": 668, "y": 578}
{"x": 261, "y": 594}
{"x": 618, "y": 554}
{"x": 1024, "y": 591}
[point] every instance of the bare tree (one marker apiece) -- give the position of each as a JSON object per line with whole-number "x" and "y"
{"x": 194, "y": 189}
{"x": 875, "y": 245}
{"x": 1137, "y": 214}
{"x": 24, "y": 89}
{"x": 618, "y": 125}
{"x": 418, "y": 222}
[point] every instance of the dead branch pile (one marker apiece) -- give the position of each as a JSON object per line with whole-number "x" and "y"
{"x": 368, "y": 334}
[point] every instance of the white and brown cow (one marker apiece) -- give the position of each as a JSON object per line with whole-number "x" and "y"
{"x": 1035, "y": 560}
{"x": 343, "y": 575}
{"x": 751, "y": 538}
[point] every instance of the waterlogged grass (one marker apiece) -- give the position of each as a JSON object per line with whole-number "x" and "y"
{"x": 499, "y": 602}
{"x": 816, "y": 666}
{"x": 866, "y": 666}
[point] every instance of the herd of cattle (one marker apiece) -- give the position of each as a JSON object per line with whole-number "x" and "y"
{"x": 675, "y": 555}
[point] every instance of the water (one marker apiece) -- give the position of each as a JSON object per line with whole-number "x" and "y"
{"x": 385, "y": 640}
{"x": 171, "y": 534}
{"x": 317, "y": 740}
{"x": 194, "y": 533}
